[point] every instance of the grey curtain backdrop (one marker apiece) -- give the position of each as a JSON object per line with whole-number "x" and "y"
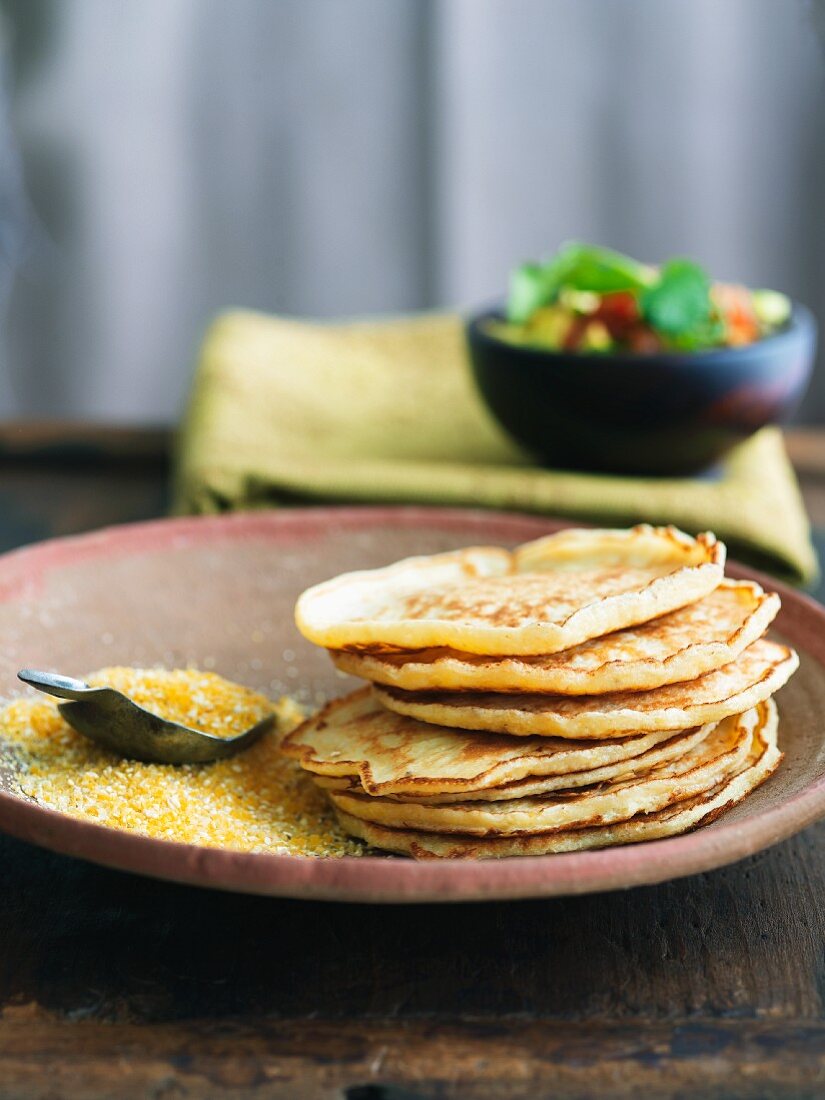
{"x": 164, "y": 159}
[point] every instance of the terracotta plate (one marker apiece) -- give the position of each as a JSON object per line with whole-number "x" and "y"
{"x": 219, "y": 592}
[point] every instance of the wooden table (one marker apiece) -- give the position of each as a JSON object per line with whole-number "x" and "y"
{"x": 116, "y": 986}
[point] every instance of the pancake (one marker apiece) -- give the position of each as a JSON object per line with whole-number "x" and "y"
{"x": 356, "y": 737}
{"x": 754, "y": 676}
{"x": 723, "y": 752}
{"x": 543, "y": 597}
{"x": 681, "y": 817}
{"x": 682, "y": 645}
{"x": 676, "y": 746}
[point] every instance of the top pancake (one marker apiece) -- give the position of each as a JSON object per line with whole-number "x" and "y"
{"x": 543, "y": 597}
{"x": 679, "y": 646}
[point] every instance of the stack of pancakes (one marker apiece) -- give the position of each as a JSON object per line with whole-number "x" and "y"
{"x": 587, "y": 689}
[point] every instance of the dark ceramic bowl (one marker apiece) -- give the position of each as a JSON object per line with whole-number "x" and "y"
{"x": 659, "y": 414}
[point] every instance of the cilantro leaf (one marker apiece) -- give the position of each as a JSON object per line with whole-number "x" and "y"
{"x": 531, "y": 287}
{"x": 602, "y": 271}
{"x": 578, "y": 266}
{"x": 679, "y": 305}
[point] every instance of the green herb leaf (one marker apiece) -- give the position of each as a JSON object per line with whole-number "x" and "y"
{"x": 705, "y": 336}
{"x": 581, "y": 267}
{"x": 530, "y": 289}
{"x": 679, "y": 305}
{"x": 602, "y": 271}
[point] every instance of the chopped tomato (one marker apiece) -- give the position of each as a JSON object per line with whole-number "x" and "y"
{"x": 736, "y": 308}
{"x": 574, "y": 335}
{"x": 642, "y": 339}
{"x": 619, "y": 313}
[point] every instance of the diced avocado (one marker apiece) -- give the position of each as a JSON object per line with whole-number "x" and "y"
{"x": 549, "y": 326}
{"x": 580, "y": 301}
{"x": 510, "y": 334}
{"x": 772, "y": 309}
{"x": 596, "y": 337}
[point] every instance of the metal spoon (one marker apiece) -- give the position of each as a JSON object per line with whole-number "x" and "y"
{"x": 112, "y": 720}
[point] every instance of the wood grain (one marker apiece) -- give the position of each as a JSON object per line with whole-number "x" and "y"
{"x": 322, "y": 1060}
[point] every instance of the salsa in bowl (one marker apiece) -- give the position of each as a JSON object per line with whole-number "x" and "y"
{"x": 659, "y": 379}
{"x": 594, "y": 300}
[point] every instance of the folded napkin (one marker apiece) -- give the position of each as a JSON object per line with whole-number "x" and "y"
{"x": 386, "y": 411}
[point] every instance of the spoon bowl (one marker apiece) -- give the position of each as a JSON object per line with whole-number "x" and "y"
{"x": 113, "y": 721}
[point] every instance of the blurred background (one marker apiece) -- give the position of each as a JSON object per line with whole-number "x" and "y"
{"x": 163, "y": 159}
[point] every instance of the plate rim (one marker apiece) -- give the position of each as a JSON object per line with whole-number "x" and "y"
{"x": 382, "y": 878}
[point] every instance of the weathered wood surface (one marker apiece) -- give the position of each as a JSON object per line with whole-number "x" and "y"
{"x": 318, "y": 1060}
{"x": 124, "y": 986}
{"x": 112, "y": 985}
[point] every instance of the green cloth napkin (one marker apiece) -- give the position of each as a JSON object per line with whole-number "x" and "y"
{"x": 386, "y": 410}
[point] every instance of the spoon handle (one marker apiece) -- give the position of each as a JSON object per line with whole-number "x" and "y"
{"x": 64, "y": 687}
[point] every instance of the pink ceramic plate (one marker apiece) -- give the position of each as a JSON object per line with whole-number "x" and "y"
{"x": 219, "y": 592}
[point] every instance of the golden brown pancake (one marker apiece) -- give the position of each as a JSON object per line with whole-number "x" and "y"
{"x": 543, "y": 597}
{"x": 357, "y": 738}
{"x": 681, "y": 817}
{"x": 672, "y": 748}
{"x": 754, "y": 676}
{"x": 682, "y": 645}
{"x": 708, "y": 763}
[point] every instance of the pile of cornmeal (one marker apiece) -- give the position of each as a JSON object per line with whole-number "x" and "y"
{"x": 257, "y": 801}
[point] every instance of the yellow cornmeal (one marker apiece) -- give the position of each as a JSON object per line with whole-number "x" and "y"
{"x": 201, "y": 700}
{"x": 256, "y": 801}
